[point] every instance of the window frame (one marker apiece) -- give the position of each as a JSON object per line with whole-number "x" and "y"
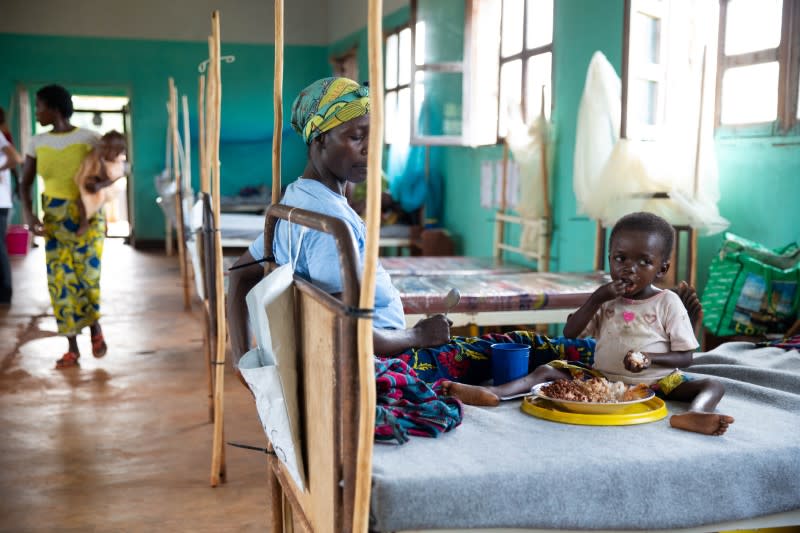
{"x": 399, "y": 86}
{"x": 524, "y": 55}
{"x": 462, "y": 67}
{"x": 787, "y": 54}
{"x": 649, "y": 72}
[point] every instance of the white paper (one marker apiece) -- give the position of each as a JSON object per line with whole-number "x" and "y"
{"x": 270, "y": 370}
{"x": 191, "y": 246}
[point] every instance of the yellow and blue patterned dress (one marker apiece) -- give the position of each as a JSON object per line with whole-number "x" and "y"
{"x": 73, "y": 262}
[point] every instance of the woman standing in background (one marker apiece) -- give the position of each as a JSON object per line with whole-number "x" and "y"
{"x": 73, "y": 261}
{"x": 9, "y": 159}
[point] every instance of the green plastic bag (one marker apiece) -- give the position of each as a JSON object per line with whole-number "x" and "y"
{"x": 751, "y": 289}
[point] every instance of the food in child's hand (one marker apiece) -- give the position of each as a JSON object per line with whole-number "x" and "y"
{"x": 636, "y": 361}
{"x": 637, "y": 357}
{"x": 594, "y": 390}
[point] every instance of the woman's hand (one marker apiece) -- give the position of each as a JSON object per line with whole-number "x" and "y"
{"x": 636, "y": 361}
{"x": 33, "y": 223}
{"x": 432, "y": 331}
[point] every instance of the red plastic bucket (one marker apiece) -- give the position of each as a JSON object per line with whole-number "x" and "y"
{"x": 18, "y": 240}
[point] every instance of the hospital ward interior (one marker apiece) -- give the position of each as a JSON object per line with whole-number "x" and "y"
{"x": 400, "y": 266}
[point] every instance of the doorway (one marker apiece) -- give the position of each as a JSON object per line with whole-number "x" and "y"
{"x": 103, "y": 114}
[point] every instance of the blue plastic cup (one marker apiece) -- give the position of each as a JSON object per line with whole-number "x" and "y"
{"x": 509, "y": 361}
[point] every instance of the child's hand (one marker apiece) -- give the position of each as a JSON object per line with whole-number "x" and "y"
{"x": 636, "y": 361}
{"x": 609, "y": 291}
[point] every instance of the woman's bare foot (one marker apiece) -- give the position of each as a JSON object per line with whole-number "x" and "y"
{"x": 705, "y": 423}
{"x": 470, "y": 394}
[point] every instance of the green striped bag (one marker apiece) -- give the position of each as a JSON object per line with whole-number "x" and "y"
{"x": 751, "y": 290}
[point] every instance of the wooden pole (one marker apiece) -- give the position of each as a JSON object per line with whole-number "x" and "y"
{"x": 544, "y": 265}
{"x": 279, "y": 517}
{"x": 176, "y": 166}
{"x": 696, "y": 185}
{"x": 201, "y": 133}
{"x": 366, "y": 366}
{"x": 209, "y": 112}
{"x": 277, "y": 130}
{"x": 167, "y": 163}
{"x": 499, "y": 224}
{"x": 626, "y": 37}
{"x": 217, "y": 457}
{"x": 187, "y": 145}
{"x": 208, "y": 337}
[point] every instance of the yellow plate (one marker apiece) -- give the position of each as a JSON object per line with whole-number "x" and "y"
{"x": 639, "y": 413}
{"x": 589, "y": 407}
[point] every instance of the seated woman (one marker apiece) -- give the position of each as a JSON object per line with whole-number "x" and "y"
{"x": 332, "y": 116}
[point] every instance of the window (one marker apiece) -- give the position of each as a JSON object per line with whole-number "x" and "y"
{"x": 670, "y": 70}
{"x": 526, "y": 60}
{"x": 758, "y": 64}
{"x": 454, "y": 72}
{"x": 467, "y": 53}
{"x": 647, "y": 68}
{"x": 397, "y": 86}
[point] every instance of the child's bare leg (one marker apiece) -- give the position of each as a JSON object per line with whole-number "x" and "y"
{"x": 704, "y": 394}
{"x": 490, "y": 396}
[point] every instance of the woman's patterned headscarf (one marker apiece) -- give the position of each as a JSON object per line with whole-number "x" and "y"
{"x": 327, "y": 103}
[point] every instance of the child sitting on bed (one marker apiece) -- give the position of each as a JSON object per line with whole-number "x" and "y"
{"x": 643, "y": 333}
{"x": 104, "y": 165}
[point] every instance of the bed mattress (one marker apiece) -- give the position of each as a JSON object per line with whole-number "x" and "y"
{"x": 504, "y": 468}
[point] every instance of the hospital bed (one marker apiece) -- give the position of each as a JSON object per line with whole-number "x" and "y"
{"x": 504, "y": 470}
{"x": 498, "y": 298}
{"x": 493, "y": 292}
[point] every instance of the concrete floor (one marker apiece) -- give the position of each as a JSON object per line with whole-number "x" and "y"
{"x": 122, "y": 443}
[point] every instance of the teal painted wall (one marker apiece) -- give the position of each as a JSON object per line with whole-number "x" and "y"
{"x": 141, "y": 69}
{"x": 759, "y": 180}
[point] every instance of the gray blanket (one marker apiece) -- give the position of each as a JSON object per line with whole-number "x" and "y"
{"x": 504, "y": 468}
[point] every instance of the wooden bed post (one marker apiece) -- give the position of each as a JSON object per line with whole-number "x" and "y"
{"x": 218, "y": 450}
{"x": 366, "y": 365}
{"x": 205, "y": 188}
{"x": 543, "y": 263}
{"x": 499, "y": 222}
{"x": 277, "y": 129}
{"x": 279, "y": 511}
{"x": 696, "y": 185}
{"x": 173, "y": 126}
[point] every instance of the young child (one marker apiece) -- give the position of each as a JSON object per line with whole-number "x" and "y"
{"x": 104, "y": 165}
{"x": 643, "y": 333}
